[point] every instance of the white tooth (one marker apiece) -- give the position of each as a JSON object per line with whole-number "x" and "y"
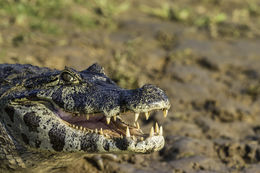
{"x": 134, "y": 124}
{"x": 114, "y": 117}
{"x": 73, "y": 125}
{"x": 87, "y": 117}
{"x": 108, "y": 120}
{"x": 134, "y": 138}
{"x": 136, "y": 116}
{"x": 121, "y": 136}
{"x": 156, "y": 128}
{"x": 142, "y": 138}
{"x": 85, "y": 129}
{"x": 96, "y": 131}
{"x": 161, "y": 131}
{"x": 151, "y": 132}
{"x": 147, "y": 114}
{"x": 128, "y": 132}
{"x": 77, "y": 127}
{"x": 80, "y": 127}
{"x": 138, "y": 126}
{"x": 165, "y": 113}
{"x": 101, "y": 131}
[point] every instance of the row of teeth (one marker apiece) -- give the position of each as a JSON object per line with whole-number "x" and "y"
{"x": 147, "y": 115}
{"x": 153, "y": 131}
{"x": 100, "y": 131}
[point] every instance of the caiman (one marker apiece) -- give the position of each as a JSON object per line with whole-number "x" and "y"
{"x": 50, "y": 116}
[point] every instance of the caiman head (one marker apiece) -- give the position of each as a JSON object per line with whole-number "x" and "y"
{"x": 73, "y": 110}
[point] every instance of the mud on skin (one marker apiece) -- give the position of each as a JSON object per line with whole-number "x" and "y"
{"x": 52, "y": 111}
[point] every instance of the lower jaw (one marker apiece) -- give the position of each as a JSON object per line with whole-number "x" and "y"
{"x": 149, "y": 145}
{"x": 127, "y": 145}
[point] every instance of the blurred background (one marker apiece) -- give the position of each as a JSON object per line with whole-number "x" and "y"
{"x": 204, "y": 53}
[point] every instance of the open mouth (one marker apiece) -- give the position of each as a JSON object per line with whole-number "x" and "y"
{"x": 113, "y": 127}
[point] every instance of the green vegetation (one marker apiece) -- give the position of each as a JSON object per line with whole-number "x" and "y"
{"x": 217, "y": 17}
{"x": 220, "y": 18}
{"x": 52, "y": 17}
{"x": 36, "y": 15}
{"x": 120, "y": 64}
{"x": 253, "y": 90}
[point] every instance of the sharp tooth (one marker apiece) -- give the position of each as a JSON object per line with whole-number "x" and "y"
{"x": 87, "y": 117}
{"x": 108, "y": 120}
{"x": 161, "y": 131}
{"x": 138, "y": 126}
{"x": 84, "y": 129}
{"x": 80, "y": 127}
{"x": 73, "y": 125}
{"x": 96, "y": 131}
{"x": 165, "y": 113}
{"x": 156, "y": 128}
{"x": 142, "y": 138}
{"x": 134, "y": 138}
{"x": 114, "y": 117}
{"x": 134, "y": 124}
{"x": 77, "y": 127}
{"x": 101, "y": 131}
{"x": 147, "y": 114}
{"x": 121, "y": 136}
{"x": 151, "y": 132}
{"x": 128, "y": 132}
{"x": 136, "y": 116}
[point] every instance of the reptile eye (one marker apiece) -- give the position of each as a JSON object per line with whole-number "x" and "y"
{"x": 67, "y": 77}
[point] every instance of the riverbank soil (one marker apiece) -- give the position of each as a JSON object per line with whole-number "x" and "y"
{"x": 205, "y": 54}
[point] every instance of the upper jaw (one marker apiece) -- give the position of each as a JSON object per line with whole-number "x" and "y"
{"x": 144, "y": 99}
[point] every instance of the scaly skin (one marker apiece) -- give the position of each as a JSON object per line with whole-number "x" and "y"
{"x": 60, "y": 115}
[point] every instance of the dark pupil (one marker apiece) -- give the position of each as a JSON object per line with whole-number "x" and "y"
{"x": 67, "y": 77}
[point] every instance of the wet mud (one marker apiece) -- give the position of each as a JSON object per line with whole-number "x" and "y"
{"x": 213, "y": 84}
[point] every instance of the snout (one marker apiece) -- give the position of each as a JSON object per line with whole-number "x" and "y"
{"x": 147, "y": 98}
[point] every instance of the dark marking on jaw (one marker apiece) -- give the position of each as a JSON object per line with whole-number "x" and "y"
{"x": 89, "y": 143}
{"x": 25, "y": 139}
{"x": 122, "y": 144}
{"x": 106, "y": 145}
{"x": 57, "y": 97}
{"x": 10, "y": 113}
{"x": 32, "y": 121}
{"x": 57, "y": 137}
{"x": 37, "y": 143}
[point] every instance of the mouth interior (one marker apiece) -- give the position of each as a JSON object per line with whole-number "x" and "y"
{"x": 115, "y": 128}
{"x": 95, "y": 122}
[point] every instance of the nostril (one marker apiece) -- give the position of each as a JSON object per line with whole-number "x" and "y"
{"x": 149, "y": 88}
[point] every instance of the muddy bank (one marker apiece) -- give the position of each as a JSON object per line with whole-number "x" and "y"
{"x": 213, "y": 81}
